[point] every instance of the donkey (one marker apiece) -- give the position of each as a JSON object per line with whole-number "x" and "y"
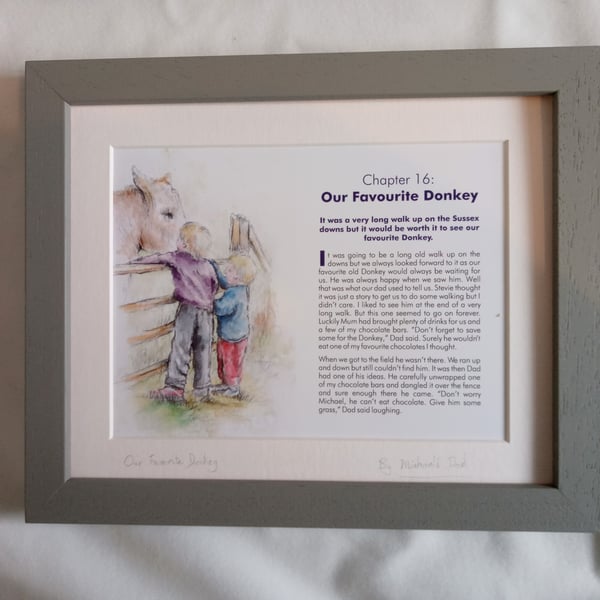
{"x": 147, "y": 216}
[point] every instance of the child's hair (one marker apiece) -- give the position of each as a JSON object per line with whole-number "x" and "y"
{"x": 196, "y": 238}
{"x": 244, "y": 267}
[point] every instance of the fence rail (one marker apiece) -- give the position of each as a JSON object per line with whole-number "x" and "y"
{"x": 142, "y": 374}
{"x": 147, "y": 304}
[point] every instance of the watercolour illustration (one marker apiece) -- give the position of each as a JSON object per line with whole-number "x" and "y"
{"x": 184, "y": 317}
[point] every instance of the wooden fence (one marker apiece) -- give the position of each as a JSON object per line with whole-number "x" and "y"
{"x": 144, "y": 319}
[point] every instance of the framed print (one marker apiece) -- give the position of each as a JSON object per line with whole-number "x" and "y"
{"x": 329, "y": 290}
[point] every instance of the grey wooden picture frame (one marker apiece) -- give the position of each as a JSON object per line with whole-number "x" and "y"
{"x": 571, "y": 503}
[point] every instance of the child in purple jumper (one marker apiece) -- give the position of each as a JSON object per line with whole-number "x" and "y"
{"x": 195, "y": 284}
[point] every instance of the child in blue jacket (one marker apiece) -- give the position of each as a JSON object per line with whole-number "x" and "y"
{"x": 233, "y": 321}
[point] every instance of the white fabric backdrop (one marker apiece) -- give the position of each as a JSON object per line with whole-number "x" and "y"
{"x": 74, "y": 562}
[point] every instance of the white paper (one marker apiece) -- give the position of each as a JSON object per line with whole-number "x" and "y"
{"x": 380, "y": 313}
{"x": 113, "y": 437}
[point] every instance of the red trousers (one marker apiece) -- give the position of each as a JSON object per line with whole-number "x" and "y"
{"x": 230, "y": 359}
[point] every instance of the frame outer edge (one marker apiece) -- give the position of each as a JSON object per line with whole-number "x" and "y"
{"x": 45, "y": 291}
{"x": 577, "y": 287}
{"x": 307, "y": 76}
{"x": 573, "y": 505}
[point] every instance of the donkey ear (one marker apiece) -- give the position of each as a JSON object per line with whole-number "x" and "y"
{"x": 141, "y": 182}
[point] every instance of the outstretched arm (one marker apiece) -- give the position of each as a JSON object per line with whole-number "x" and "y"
{"x": 152, "y": 259}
